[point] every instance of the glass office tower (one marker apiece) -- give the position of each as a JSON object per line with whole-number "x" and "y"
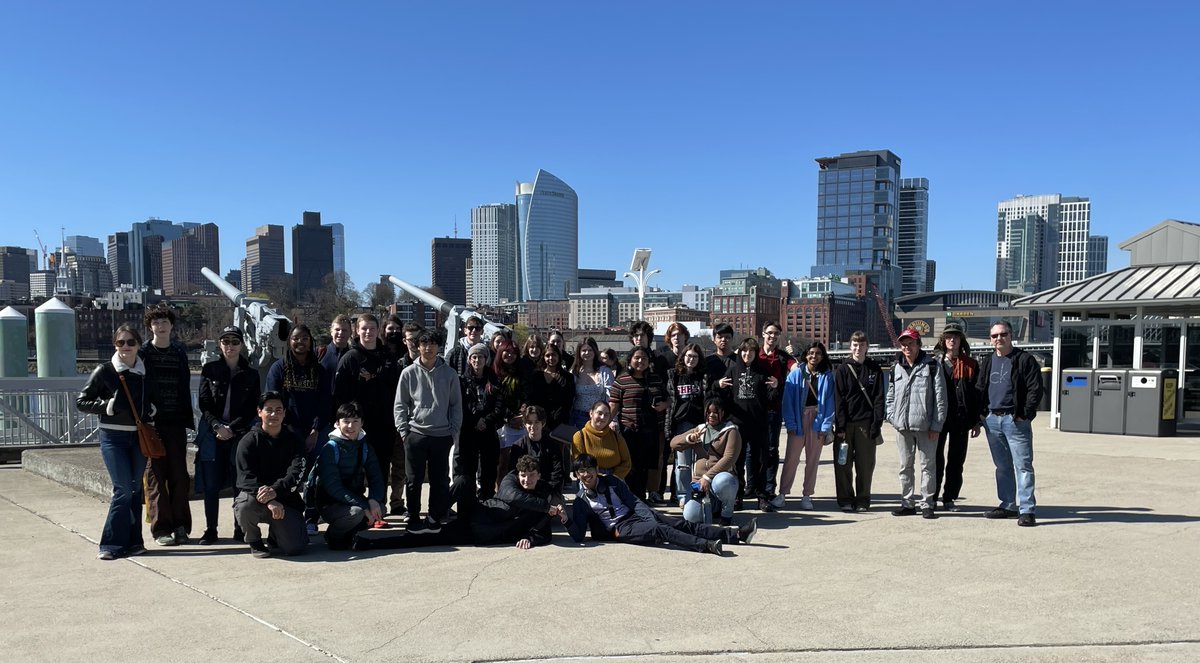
{"x": 548, "y": 213}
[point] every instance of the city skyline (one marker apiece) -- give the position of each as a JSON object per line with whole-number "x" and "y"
{"x": 660, "y": 153}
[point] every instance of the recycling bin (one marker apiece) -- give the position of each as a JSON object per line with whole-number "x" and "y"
{"x": 1108, "y": 401}
{"x": 1150, "y": 403}
{"x": 1075, "y": 402}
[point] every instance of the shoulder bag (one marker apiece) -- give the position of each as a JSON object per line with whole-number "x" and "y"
{"x": 148, "y": 439}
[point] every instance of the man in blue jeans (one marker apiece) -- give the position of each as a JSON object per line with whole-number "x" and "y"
{"x": 1010, "y": 387}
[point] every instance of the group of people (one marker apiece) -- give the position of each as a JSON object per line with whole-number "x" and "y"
{"x": 348, "y": 434}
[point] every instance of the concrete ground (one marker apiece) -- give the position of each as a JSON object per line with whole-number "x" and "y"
{"x": 1109, "y": 575}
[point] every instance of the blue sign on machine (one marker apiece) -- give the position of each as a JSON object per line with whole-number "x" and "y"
{"x": 1077, "y": 381}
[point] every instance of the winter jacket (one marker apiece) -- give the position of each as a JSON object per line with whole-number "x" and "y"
{"x": 481, "y": 401}
{"x": 916, "y": 400}
{"x": 548, "y": 454}
{"x": 1027, "y": 383}
{"x": 103, "y": 395}
{"x": 428, "y": 401}
{"x": 278, "y": 462}
{"x": 556, "y": 396}
{"x": 242, "y": 386}
{"x": 963, "y": 405}
{"x": 344, "y": 475}
{"x": 367, "y": 377}
{"x": 329, "y": 361}
{"x": 170, "y": 380}
{"x": 795, "y": 396}
{"x": 306, "y": 395}
{"x": 685, "y": 393}
{"x": 851, "y": 404}
{"x": 718, "y": 454}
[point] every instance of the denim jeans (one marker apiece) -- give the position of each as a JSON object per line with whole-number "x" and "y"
{"x": 125, "y": 464}
{"x": 722, "y": 494}
{"x": 1011, "y": 443}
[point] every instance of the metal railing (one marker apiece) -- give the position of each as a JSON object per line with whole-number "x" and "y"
{"x": 38, "y": 412}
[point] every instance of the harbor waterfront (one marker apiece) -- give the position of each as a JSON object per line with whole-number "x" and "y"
{"x": 1109, "y": 575}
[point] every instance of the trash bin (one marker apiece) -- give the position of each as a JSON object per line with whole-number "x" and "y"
{"x": 1150, "y": 407}
{"x": 1047, "y": 388}
{"x": 1108, "y": 401}
{"x": 1075, "y": 404}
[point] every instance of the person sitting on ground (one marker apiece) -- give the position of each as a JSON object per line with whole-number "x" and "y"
{"x": 710, "y": 452}
{"x": 346, "y": 469}
{"x": 269, "y": 462}
{"x": 601, "y": 441}
{"x": 612, "y": 512}
{"x": 522, "y": 513}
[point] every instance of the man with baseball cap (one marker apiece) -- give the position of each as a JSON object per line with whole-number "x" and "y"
{"x": 916, "y": 407}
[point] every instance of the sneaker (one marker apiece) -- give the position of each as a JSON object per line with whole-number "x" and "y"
{"x": 259, "y": 549}
{"x": 399, "y": 511}
{"x": 849, "y": 508}
{"x": 806, "y": 504}
{"x": 209, "y": 537}
{"x": 181, "y": 536}
{"x": 904, "y": 511}
{"x": 134, "y": 551}
{"x": 422, "y": 526}
{"x": 778, "y": 501}
{"x": 656, "y": 500}
{"x": 166, "y": 540}
{"x": 311, "y": 528}
{"x": 1027, "y": 520}
{"x": 765, "y": 505}
{"x": 432, "y": 525}
{"x": 949, "y": 505}
{"x": 106, "y": 555}
{"x": 746, "y": 532}
{"x": 862, "y": 508}
{"x": 1000, "y": 512}
{"x": 714, "y": 547}
{"x": 928, "y": 514}
{"x": 380, "y": 524}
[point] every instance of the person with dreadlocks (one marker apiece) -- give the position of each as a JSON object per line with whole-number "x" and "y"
{"x": 305, "y": 386}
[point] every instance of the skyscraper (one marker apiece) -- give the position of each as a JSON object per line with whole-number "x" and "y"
{"x": 82, "y": 245}
{"x": 264, "y": 258}
{"x": 182, "y": 259}
{"x": 548, "y": 214}
{"x": 118, "y": 258}
{"x": 1045, "y": 241}
{"x": 449, "y": 256}
{"x": 857, "y": 203}
{"x": 912, "y": 236}
{"x": 14, "y": 268}
{"x": 494, "y": 237}
{"x": 312, "y": 254}
{"x": 339, "y": 247}
{"x": 145, "y": 252}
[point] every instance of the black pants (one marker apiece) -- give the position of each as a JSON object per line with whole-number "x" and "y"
{"x": 770, "y": 468}
{"x": 649, "y": 532}
{"x": 168, "y": 486}
{"x": 754, "y": 462}
{"x": 421, "y": 451}
{"x": 381, "y": 437}
{"x": 951, "y": 466}
{"x": 477, "y": 453}
{"x": 643, "y": 452}
{"x": 853, "y": 480}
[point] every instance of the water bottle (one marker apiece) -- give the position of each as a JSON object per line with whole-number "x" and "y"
{"x": 843, "y": 451}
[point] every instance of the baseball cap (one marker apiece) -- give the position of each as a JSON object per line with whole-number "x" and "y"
{"x": 910, "y": 333}
{"x": 232, "y": 331}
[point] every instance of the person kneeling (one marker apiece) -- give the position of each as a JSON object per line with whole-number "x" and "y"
{"x": 607, "y": 507}
{"x": 346, "y": 469}
{"x": 270, "y": 460}
{"x": 709, "y": 452}
{"x": 522, "y": 513}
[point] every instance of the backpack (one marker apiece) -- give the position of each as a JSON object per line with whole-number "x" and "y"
{"x": 312, "y": 492}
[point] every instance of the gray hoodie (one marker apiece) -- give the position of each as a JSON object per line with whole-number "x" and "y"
{"x": 916, "y": 400}
{"x": 428, "y": 401}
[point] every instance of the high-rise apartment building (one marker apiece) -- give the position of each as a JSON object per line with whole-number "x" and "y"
{"x": 183, "y": 258}
{"x": 912, "y": 234}
{"x": 263, "y": 265}
{"x": 88, "y": 274}
{"x": 312, "y": 254}
{"x": 858, "y": 197}
{"x": 339, "y": 247}
{"x": 931, "y": 275}
{"x": 495, "y": 234}
{"x": 118, "y": 258}
{"x": 1045, "y": 241}
{"x": 449, "y": 256}
{"x": 146, "y": 240}
{"x": 14, "y": 269}
{"x": 548, "y": 214}
{"x": 82, "y": 245}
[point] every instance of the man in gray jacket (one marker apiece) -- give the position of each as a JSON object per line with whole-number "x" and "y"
{"x": 916, "y": 407}
{"x": 428, "y": 411}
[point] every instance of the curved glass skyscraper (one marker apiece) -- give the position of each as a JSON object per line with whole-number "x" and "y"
{"x": 548, "y": 213}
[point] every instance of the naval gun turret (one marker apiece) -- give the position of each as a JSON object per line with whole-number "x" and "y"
{"x": 265, "y": 331}
{"x": 455, "y": 314}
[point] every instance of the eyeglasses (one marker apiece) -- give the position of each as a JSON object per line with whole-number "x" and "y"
{"x": 473, "y": 327}
{"x": 128, "y": 342}
{"x": 230, "y": 341}
{"x": 1000, "y": 335}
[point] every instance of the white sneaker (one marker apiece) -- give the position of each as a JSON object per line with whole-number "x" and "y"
{"x": 778, "y": 501}
{"x": 806, "y": 503}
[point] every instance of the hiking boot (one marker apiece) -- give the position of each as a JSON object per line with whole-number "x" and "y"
{"x": 714, "y": 547}
{"x": 746, "y": 532}
{"x": 1000, "y": 512}
{"x": 209, "y": 537}
{"x": 259, "y": 549}
{"x": 1027, "y": 520}
{"x": 904, "y": 511}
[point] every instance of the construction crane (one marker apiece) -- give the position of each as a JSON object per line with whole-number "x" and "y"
{"x": 884, "y": 316}
{"x": 45, "y": 253}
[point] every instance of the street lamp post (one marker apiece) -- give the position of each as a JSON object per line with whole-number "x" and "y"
{"x": 637, "y": 272}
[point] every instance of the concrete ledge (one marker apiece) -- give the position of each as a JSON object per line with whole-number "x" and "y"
{"x": 82, "y": 468}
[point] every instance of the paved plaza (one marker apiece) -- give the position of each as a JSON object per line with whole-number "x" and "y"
{"x": 1112, "y": 573}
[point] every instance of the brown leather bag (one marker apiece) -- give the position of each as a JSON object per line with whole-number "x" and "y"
{"x": 148, "y": 439}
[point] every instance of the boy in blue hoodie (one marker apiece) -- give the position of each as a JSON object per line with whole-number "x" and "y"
{"x": 346, "y": 469}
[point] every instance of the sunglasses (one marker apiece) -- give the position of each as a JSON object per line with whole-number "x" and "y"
{"x": 1000, "y": 335}
{"x": 473, "y": 328}
{"x": 230, "y": 341}
{"x": 128, "y": 342}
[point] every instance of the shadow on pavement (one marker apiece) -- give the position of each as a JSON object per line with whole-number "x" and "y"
{"x": 1072, "y": 515}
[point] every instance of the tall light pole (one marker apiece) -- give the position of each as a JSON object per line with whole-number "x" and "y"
{"x": 637, "y": 272}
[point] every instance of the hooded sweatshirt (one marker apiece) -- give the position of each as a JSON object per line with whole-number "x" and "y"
{"x": 429, "y": 401}
{"x": 343, "y": 474}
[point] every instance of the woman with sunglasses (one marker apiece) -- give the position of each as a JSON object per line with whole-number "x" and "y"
{"x": 105, "y": 395}
{"x": 229, "y": 390}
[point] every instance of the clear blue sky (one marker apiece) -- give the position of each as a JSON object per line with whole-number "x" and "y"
{"x": 690, "y": 128}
